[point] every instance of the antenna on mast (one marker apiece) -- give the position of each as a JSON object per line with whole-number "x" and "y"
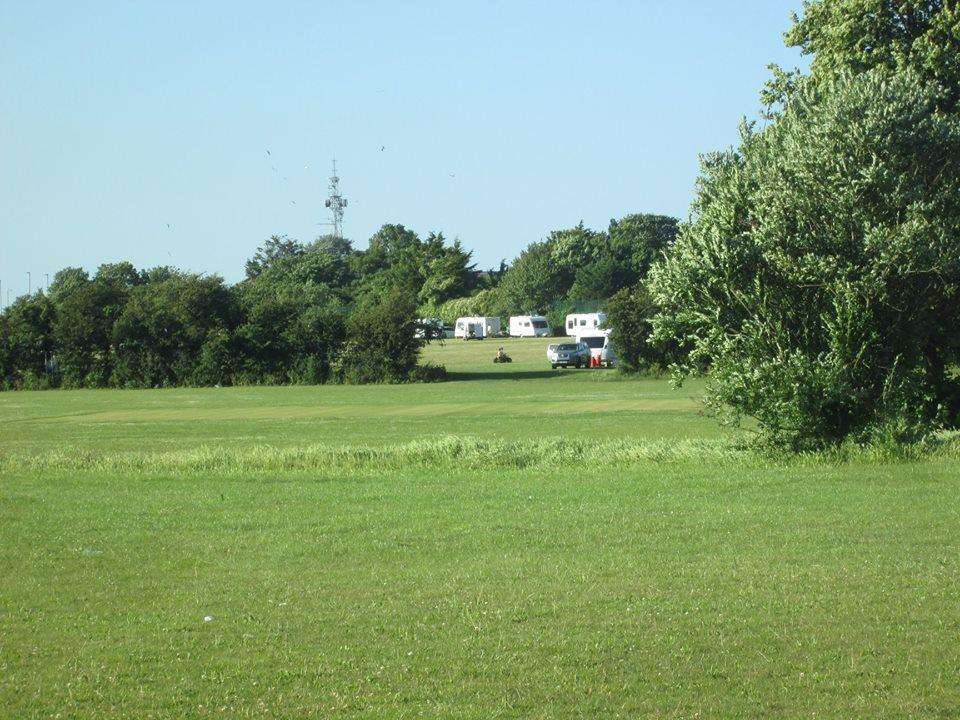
{"x": 336, "y": 203}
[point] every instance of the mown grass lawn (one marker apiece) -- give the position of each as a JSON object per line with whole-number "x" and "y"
{"x": 695, "y": 587}
{"x": 522, "y": 400}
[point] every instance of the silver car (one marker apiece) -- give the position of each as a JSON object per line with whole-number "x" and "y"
{"x": 568, "y": 354}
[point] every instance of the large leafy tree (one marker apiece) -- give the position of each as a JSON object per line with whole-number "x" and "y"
{"x": 276, "y": 248}
{"x": 854, "y": 36}
{"x": 83, "y": 331}
{"x": 168, "y": 329}
{"x": 292, "y": 321}
{"x": 859, "y": 35}
{"x": 6, "y": 354}
{"x": 821, "y": 272}
{"x": 382, "y": 344}
{"x": 332, "y": 245}
{"x": 431, "y": 269}
{"x": 29, "y": 339}
{"x": 575, "y": 248}
{"x": 636, "y": 241}
{"x": 600, "y": 280}
{"x": 621, "y": 257}
{"x": 121, "y": 274}
{"x": 446, "y": 271}
{"x": 392, "y": 246}
{"x": 308, "y": 269}
{"x": 534, "y": 281}
{"x": 67, "y": 281}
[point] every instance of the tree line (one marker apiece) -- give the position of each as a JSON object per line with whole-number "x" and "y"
{"x": 312, "y": 312}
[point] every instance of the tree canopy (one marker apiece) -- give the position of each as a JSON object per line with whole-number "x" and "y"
{"x": 820, "y": 274}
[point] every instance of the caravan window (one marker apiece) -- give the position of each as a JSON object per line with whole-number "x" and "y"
{"x": 594, "y": 342}
{"x": 527, "y": 324}
{"x": 570, "y": 324}
{"x": 459, "y": 326}
{"x": 583, "y": 322}
{"x": 540, "y": 324}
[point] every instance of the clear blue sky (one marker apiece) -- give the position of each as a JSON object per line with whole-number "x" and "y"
{"x": 500, "y": 121}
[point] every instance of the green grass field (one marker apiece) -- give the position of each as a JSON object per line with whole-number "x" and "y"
{"x": 517, "y": 542}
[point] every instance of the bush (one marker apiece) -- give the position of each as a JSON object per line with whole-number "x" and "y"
{"x": 382, "y": 345}
{"x": 821, "y": 272}
{"x": 28, "y": 343}
{"x": 174, "y": 332}
{"x": 216, "y": 361}
{"x": 83, "y": 331}
{"x": 290, "y": 332}
{"x": 629, "y": 313}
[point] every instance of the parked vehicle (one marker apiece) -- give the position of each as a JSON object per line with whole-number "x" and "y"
{"x": 584, "y": 323}
{"x": 529, "y": 326}
{"x": 601, "y": 352}
{"x": 575, "y": 354}
{"x": 476, "y": 328}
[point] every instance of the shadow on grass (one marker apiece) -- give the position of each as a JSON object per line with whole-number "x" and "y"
{"x": 503, "y": 375}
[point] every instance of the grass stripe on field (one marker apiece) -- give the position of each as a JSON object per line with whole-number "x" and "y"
{"x": 450, "y": 452}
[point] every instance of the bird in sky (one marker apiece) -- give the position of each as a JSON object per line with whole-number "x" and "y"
{"x": 382, "y": 148}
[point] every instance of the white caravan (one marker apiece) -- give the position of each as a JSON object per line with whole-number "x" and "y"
{"x": 529, "y": 326}
{"x": 476, "y": 327}
{"x": 585, "y": 323}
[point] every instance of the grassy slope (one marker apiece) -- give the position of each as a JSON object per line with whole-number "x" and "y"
{"x": 679, "y": 589}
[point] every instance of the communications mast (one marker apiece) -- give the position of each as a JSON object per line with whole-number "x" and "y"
{"x": 336, "y": 203}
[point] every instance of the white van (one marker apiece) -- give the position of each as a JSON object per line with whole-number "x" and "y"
{"x": 529, "y": 326}
{"x": 601, "y": 353}
{"x": 476, "y": 327}
{"x": 585, "y": 323}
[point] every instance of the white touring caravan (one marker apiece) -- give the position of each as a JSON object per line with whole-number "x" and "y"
{"x": 529, "y": 326}
{"x": 585, "y": 323}
{"x": 476, "y": 327}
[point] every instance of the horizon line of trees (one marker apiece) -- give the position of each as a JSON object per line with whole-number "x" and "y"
{"x": 305, "y": 313}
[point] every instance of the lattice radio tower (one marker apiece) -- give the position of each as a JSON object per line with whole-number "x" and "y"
{"x": 336, "y": 203}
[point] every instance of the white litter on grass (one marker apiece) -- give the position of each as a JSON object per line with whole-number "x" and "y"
{"x": 207, "y": 618}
